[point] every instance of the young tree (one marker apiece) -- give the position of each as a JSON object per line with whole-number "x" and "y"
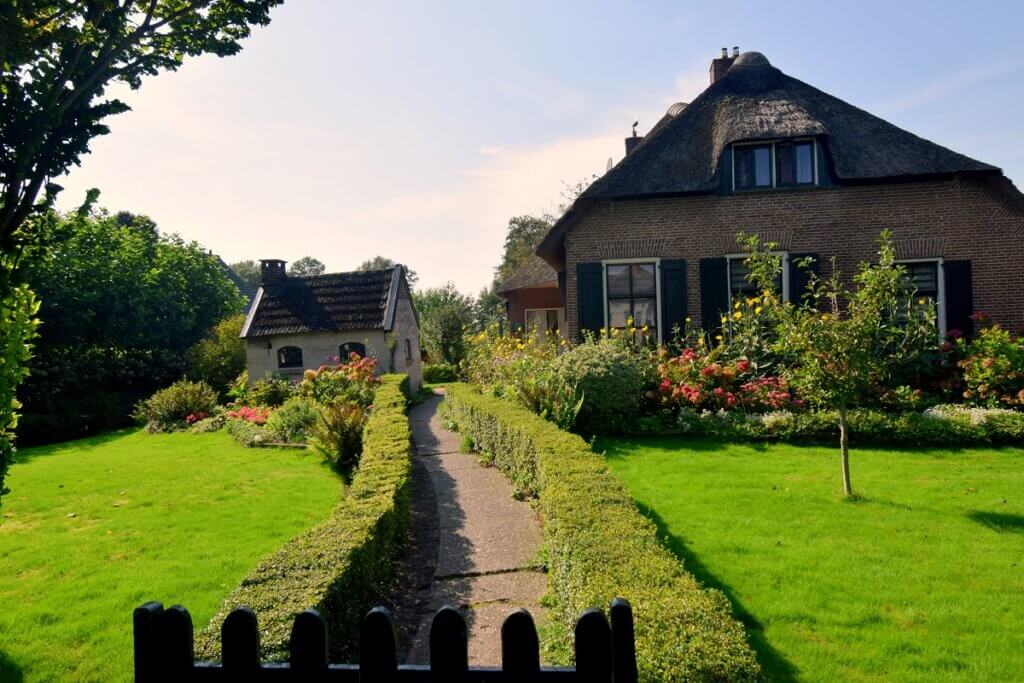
{"x": 307, "y": 265}
{"x": 219, "y": 357}
{"x": 444, "y": 315}
{"x": 523, "y": 235}
{"x": 488, "y": 309}
{"x": 383, "y": 263}
{"x": 248, "y": 272}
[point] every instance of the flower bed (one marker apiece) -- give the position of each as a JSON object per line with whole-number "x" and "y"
{"x": 599, "y": 546}
{"x": 342, "y": 566}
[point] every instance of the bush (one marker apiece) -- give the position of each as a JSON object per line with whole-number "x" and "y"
{"x": 352, "y": 382}
{"x": 249, "y": 434}
{"x": 168, "y": 408}
{"x": 219, "y": 357}
{"x": 440, "y": 372}
{"x": 294, "y": 420}
{"x": 599, "y": 547}
{"x": 608, "y": 375}
{"x": 993, "y": 368}
{"x": 343, "y": 566}
{"x": 271, "y": 391}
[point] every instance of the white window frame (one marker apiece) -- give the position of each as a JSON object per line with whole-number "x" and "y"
{"x": 559, "y": 311}
{"x": 729, "y": 258}
{"x": 940, "y": 303}
{"x": 771, "y": 144}
{"x": 640, "y": 260}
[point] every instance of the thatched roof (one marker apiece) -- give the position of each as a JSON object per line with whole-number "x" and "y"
{"x": 534, "y": 272}
{"x": 325, "y": 303}
{"x": 756, "y": 101}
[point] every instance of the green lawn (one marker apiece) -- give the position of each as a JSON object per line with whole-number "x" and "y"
{"x": 921, "y": 579}
{"x": 93, "y": 528}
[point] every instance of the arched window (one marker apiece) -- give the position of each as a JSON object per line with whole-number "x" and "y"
{"x": 348, "y": 348}
{"x": 289, "y": 357}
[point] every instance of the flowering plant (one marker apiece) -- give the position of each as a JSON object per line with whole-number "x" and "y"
{"x": 248, "y": 414}
{"x": 993, "y": 367}
{"x": 351, "y": 382}
{"x": 192, "y": 418}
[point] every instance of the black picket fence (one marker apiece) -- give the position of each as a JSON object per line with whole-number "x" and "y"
{"x": 605, "y": 652}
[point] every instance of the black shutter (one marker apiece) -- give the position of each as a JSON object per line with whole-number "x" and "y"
{"x": 714, "y": 292}
{"x": 561, "y": 286}
{"x": 590, "y": 296}
{"x": 673, "y": 297}
{"x": 959, "y": 296}
{"x": 800, "y": 278}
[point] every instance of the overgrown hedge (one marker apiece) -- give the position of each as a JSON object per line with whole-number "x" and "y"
{"x": 599, "y": 546}
{"x": 342, "y": 566}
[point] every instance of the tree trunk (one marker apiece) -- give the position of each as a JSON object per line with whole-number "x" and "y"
{"x": 844, "y": 451}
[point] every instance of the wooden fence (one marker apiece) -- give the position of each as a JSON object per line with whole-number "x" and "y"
{"x": 605, "y": 652}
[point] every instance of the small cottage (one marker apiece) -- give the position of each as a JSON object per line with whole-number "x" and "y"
{"x": 300, "y": 323}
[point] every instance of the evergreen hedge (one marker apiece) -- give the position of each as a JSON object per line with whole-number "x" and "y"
{"x": 599, "y": 546}
{"x": 342, "y": 566}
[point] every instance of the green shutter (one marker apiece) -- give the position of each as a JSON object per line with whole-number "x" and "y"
{"x": 590, "y": 296}
{"x": 800, "y": 278}
{"x": 673, "y": 297}
{"x": 714, "y": 292}
{"x": 959, "y": 296}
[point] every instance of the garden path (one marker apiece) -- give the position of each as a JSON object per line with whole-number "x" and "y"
{"x": 473, "y": 545}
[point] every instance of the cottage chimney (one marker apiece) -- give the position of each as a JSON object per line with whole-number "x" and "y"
{"x": 721, "y": 65}
{"x": 272, "y": 271}
{"x": 633, "y": 140}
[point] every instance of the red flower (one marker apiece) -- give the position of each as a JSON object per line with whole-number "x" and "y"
{"x": 743, "y": 365}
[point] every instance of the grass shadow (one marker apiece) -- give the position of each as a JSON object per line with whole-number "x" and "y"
{"x": 29, "y": 453}
{"x": 773, "y": 663}
{"x": 9, "y": 671}
{"x": 998, "y": 521}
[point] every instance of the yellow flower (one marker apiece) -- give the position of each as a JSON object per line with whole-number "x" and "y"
{"x": 724, "y": 320}
{"x": 718, "y": 337}
{"x": 737, "y": 315}
{"x": 645, "y": 328}
{"x": 920, "y": 301}
{"x": 757, "y": 310}
{"x": 520, "y": 347}
{"x": 738, "y": 304}
{"x": 824, "y": 316}
{"x": 688, "y": 319}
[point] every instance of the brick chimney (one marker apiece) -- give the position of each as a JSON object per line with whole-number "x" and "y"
{"x": 272, "y": 271}
{"x": 721, "y": 65}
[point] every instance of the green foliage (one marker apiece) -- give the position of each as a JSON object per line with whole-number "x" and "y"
{"x": 248, "y": 272}
{"x": 294, "y": 420}
{"x": 338, "y": 433}
{"x": 522, "y": 236}
{"x": 599, "y": 547}
{"x": 307, "y": 265}
{"x": 271, "y": 391}
{"x": 434, "y": 373}
{"x": 352, "y": 382}
{"x": 343, "y": 566}
{"x": 384, "y": 263}
{"x": 218, "y": 358}
{"x": 607, "y": 374}
{"x": 444, "y": 316}
{"x": 249, "y": 434}
{"x": 993, "y": 367}
{"x": 167, "y": 409}
{"x": 18, "y": 321}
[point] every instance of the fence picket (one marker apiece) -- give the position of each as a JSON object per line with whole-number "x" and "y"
{"x": 308, "y": 645}
{"x": 449, "y": 646}
{"x": 623, "y": 642}
{"x": 176, "y": 632}
{"x": 520, "y": 647}
{"x": 593, "y": 648}
{"x": 378, "y": 648}
{"x": 145, "y": 625}
{"x": 240, "y": 641}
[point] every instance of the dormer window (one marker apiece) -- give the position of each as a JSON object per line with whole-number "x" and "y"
{"x": 766, "y": 165}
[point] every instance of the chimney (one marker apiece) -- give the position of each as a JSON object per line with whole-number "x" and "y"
{"x": 721, "y": 65}
{"x": 271, "y": 271}
{"x": 634, "y": 140}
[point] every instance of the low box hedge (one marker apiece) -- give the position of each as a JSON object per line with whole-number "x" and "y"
{"x": 599, "y": 546}
{"x": 342, "y": 566}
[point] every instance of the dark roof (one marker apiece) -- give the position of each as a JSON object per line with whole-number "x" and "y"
{"x": 756, "y": 101}
{"x": 243, "y": 287}
{"x": 534, "y": 272}
{"x": 325, "y": 303}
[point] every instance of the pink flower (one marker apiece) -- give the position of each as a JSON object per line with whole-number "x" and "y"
{"x": 743, "y": 365}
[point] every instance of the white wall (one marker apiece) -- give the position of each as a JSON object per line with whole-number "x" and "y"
{"x": 318, "y": 348}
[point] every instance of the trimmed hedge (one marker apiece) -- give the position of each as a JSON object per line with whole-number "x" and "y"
{"x": 599, "y": 546}
{"x": 342, "y": 566}
{"x": 435, "y": 373}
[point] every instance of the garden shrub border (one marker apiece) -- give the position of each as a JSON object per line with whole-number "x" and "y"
{"x": 599, "y": 546}
{"x": 342, "y": 566}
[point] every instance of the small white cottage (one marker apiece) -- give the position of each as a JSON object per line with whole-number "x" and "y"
{"x": 300, "y": 323}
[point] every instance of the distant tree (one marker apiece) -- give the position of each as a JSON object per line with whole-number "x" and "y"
{"x": 219, "y": 357}
{"x": 489, "y": 308}
{"x": 383, "y": 263}
{"x": 522, "y": 236}
{"x": 248, "y": 272}
{"x": 444, "y": 315}
{"x": 307, "y": 265}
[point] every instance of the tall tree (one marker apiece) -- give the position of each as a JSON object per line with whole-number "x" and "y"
{"x": 444, "y": 315}
{"x": 248, "y": 272}
{"x": 307, "y": 265}
{"x": 522, "y": 236}
{"x": 383, "y": 263}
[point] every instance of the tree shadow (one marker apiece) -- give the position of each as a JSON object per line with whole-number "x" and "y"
{"x": 998, "y": 521}
{"x": 9, "y": 671}
{"x": 773, "y": 663}
{"x": 26, "y": 454}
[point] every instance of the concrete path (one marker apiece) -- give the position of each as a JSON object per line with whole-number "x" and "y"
{"x": 473, "y": 546}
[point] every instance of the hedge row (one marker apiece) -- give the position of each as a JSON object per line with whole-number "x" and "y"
{"x": 599, "y": 546}
{"x": 342, "y": 566}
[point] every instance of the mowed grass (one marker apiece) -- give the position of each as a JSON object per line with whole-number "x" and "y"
{"x": 921, "y": 579}
{"x": 93, "y": 528}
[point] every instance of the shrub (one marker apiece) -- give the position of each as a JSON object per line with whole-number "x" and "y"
{"x": 270, "y": 392}
{"x": 249, "y": 434}
{"x": 248, "y": 414}
{"x": 219, "y": 357}
{"x": 440, "y": 372}
{"x": 338, "y": 433}
{"x": 168, "y": 408}
{"x": 607, "y": 374}
{"x": 351, "y": 382}
{"x": 294, "y": 420}
{"x": 599, "y": 546}
{"x": 343, "y": 566}
{"x": 993, "y": 368}
{"x": 207, "y": 425}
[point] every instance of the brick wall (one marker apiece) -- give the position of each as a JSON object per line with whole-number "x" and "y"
{"x": 954, "y": 219}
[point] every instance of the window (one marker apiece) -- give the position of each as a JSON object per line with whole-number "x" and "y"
{"x": 740, "y": 287}
{"x": 632, "y": 293}
{"x": 774, "y": 164}
{"x": 544, "y": 320}
{"x": 408, "y": 351}
{"x": 289, "y": 357}
{"x": 346, "y": 350}
{"x": 926, "y": 277}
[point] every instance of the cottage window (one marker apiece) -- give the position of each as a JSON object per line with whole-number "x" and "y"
{"x": 788, "y": 163}
{"x": 289, "y": 357}
{"x": 926, "y": 278}
{"x": 408, "y": 351}
{"x": 741, "y": 288}
{"x": 753, "y": 166}
{"x": 543, "y": 321}
{"x": 346, "y": 350}
{"x": 632, "y": 296}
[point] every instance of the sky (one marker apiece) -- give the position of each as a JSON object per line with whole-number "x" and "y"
{"x": 415, "y": 130}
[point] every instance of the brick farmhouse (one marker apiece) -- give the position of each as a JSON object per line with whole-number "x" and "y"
{"x": 763, "y": 153}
